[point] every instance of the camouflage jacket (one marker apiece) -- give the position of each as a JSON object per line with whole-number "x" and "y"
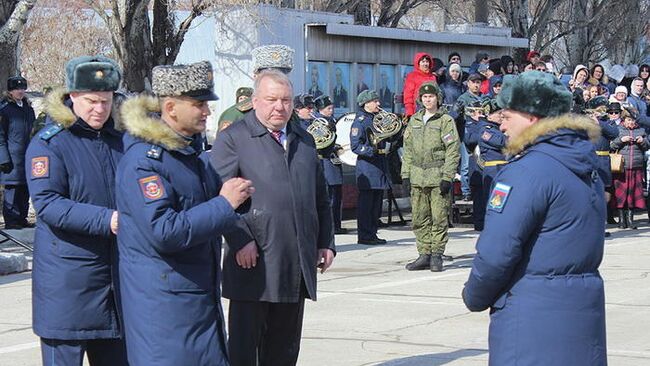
{"x": 431, "y": 149}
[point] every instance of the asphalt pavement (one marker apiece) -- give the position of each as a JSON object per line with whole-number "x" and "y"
{"x": 371, "y": 311}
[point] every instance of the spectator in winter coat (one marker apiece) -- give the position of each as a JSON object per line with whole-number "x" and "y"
{"x": 423, "y": 72}
{"x": 598, "y": 73}
{"x": 453, "y": 86}
{"x": 631, "y": 142}
{"x": 537, "y": 260}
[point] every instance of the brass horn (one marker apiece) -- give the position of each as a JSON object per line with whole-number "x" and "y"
{"x": 484, "y": 109}
{"x": 320, "y": 130}
{"x": 384, "y": 125}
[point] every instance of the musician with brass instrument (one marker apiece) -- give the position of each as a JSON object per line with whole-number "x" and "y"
{"x": 491, "y": 142}
{"x": 431, "y": 157}
{"x": 323, "y": 128}
{"x": 367, "y": 134}
{"x": 303, "y": 106}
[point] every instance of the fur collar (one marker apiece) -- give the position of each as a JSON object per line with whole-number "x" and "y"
{"x": 9, "y": 99}
{"x": 549, "y": 126}
{"x": 138, "y": 120}
{"x": 55, "y": 107}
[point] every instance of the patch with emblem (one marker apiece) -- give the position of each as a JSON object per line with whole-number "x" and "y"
{"x": 40, "y": 167}
{"x": 448, "y": 138}
{"x": 498, "y": 197}
{"x": 152, "y": 188}
{"x": 360, "y": 118}
{"x": 486, "y": 136}
{"x": 354, "y": 131}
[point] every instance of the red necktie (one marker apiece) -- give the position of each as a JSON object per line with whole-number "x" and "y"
{"x": 277, "y": 135}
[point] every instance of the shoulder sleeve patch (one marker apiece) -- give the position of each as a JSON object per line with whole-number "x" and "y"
{"x": 448, "y": 138}
{"x": 486, "y": 136}
{"x": 40, "y": 167}
{"x": 152, "y": 188}
{"x": 498, "y": 197}
{"x": 50, "y": 132}
{"x": 354, "y": 131}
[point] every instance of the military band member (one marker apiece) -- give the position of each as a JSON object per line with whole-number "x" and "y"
{"x": 303, "y": 106}
{"x": 431, "y": 157}
{"x": 332, "y": 166}
{"x": 491, "y": 142}
{"x": 173, "y": 209}
{"x": 71, "y": 177}
{"x": 371, "y": 169}
{"x": 473, "y": 115}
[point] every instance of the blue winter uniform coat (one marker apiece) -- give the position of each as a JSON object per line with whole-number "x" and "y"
{"x": 15, "y": 131}
{"x": 171, "y": 219}
{"x": 609, "y": 131}
{"x": 475, "y": 174}
{"x": 537, "y": 258}
{"x": 333, "y": 172}
{"x": 71, "y": 179}
{"x": 372, "y": 167}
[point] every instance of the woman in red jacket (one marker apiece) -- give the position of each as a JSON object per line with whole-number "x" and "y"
{"x": 422, "y": 62}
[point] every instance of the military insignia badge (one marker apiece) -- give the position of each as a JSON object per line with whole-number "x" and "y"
{"x": 40, "y": 167}
{"x": 448, "y": 138}
{"x": 152, "y": 188}
{"x": 354, "y": 131}
{"x": 498, "y": 197}
{"x": 486, "y": 136}
{"x": 275, "y": 56}
{"x": 99, "y": 74}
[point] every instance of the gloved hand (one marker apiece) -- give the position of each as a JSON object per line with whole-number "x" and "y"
{"x": 406, "y": 183}
{"x": 445, "y": 187}
{"x": 7, "y": 167}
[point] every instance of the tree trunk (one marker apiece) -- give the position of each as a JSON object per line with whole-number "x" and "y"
{"x": 577, "y": 41}
{"x": 8, "y": 65}
{"x": 481, "y": 11}
{"x": 13, "y": 16}
{"x": 362, "y": 13}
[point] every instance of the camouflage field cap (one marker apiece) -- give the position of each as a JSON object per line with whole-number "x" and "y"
{"x": 195, "y": 81}
{"x": 273, "y": 56}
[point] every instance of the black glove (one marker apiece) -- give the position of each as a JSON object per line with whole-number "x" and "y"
{"x": 7, "y": 167}
{"x": 445, "y": 187}
{"x": 406, "y": 183}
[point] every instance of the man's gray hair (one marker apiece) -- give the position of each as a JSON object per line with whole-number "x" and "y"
{"x": 275, "y": 75}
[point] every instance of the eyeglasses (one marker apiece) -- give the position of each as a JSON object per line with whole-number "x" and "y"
{"x": 612, "y": 112}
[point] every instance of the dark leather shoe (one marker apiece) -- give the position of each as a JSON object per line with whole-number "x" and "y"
{"x": 13, "y": 227}
{"x": 435, "y": 264}
{"x": 27, "y": 224}
{"x": 380, "y": 240}
{"x": 447, "y": 258}
{"x": 421, "y": 263}
{"x": 370, "y": 242}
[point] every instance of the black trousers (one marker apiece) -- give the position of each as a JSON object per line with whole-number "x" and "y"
{"x": 16, "y": 204}
{"x": 368, "y": 213}
{"x": 336, "y": 195}
{"x": 264, "y": 333}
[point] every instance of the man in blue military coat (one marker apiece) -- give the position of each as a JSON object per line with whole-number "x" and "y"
{"x": 16, "y": 122}
{"x": 173, "y": 209}
{"x": 71, "y": 173}
{"x": 537, "y": 259}
{"x": 372, "y": 169}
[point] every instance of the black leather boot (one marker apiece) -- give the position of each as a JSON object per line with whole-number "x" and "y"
{"x": 421, "y": 263}
{"x": 610, "y": 216}
{"x": 622, "y": 221}
{"x": 630, "y": 219}
{"x": 436, "y": 263}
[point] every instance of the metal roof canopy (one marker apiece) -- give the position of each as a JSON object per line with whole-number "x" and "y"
{"x": 352, "y": 30}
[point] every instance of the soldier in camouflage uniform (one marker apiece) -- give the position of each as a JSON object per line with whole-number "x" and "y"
{"x": 431, "y": 157}
{"x": 236, "y": 111}
{"x": 273, "y": 56}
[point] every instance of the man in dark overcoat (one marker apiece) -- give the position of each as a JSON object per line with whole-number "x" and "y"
{"x": 272, "y": 256}
{"x": 16, "y": 122}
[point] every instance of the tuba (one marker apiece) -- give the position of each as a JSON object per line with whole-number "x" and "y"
{"x": 384, "y": 125}
{"x": 320, "y": 130}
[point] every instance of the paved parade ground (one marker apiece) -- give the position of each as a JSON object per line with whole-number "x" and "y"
{"x": 373, "y": 312}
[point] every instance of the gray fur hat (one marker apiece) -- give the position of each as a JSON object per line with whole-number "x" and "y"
{"x": 92, "y": 73}
{"x": 535, "y": 92}
{"x": 273, "y": 56}
{"x": 194, "y": 81}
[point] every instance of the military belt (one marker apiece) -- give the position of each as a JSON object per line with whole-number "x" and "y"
{"x": 433, "y": 164}
{"x": 495, "y": 162}
{"x": 602, "y": 153}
